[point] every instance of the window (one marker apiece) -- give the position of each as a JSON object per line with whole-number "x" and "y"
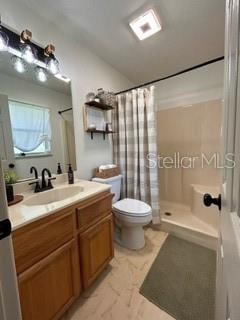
{"x": 31, "y": 129}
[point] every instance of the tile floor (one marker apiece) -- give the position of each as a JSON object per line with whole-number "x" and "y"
{"x": 115, "y": 295}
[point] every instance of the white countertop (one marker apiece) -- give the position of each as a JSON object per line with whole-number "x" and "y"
{"x": 21, "y": 214}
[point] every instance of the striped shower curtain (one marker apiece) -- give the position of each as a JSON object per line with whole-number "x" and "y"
{"x": 135, "y": 141}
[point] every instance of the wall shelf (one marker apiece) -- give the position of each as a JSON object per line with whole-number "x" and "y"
{"x": 103, "y": 132}
{"x": 98, "y": 105}
{"x": 96, "y": 113}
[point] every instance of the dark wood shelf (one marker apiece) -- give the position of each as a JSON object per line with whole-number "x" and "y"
{"x": 100, "y": 131}
{"x": 98, "y": 105}
{"x": 104, "y": 132}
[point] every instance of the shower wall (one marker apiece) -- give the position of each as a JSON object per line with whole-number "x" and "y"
{"x": 188, "y": 131}
{"x": 188, "y": 111}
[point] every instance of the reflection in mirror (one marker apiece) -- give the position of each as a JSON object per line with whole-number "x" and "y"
{"x": 32, "y": 131}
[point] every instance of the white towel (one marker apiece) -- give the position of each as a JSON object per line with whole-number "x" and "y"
{"x": 106, "y": 166}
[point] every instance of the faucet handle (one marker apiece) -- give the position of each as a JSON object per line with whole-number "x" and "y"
{"x": 37, "y": 187}
{"x": 34, "y": 181}
{"x": 50, "y": 186}
{"x": 51, "y": 178}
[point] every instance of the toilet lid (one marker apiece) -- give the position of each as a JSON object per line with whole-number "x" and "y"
{"x": 132, "y": 207}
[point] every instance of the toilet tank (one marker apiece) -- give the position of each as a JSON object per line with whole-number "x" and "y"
{"x": 115, "y": 183}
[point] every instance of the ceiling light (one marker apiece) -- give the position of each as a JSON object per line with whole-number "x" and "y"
{"x": 146, "y": 25}
{"x": 18, "y": 64}
{"x": 41, "y": 74}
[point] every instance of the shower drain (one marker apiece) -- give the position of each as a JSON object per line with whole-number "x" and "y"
{"x": 168, "y": 213}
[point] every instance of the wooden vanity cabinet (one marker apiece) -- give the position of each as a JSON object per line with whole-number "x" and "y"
{"x": 93, "y": 210}
{"x": 49, "y": 287}
{"x": 60, "y": 255}
{"x": 37, "y": 240}
{"x": 96, "y": 249}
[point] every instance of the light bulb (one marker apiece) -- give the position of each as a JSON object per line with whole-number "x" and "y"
{"x": 3, "y": 41}
{"x": 53, "y": 66}
{"x": 18, "y": 64}
{"x": 27, "y": 54}
{"x": 41, "y": 74}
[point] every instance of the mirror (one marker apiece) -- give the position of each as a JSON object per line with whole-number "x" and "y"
{"x": 32, "y": 131}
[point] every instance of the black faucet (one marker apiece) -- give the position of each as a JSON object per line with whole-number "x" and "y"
{"x": 34, "y": 169}
{"x": 49, "y": 186}
{"x": 37, "y": 187}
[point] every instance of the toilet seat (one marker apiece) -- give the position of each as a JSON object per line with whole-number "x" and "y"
{"x": 132, "y": 208}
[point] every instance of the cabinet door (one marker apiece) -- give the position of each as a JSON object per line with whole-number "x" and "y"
{"x": 96, "y": 249}
{"x": 49, "y": 287}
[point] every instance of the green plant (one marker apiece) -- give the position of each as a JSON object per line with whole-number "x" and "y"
{"x": 10, "y": 177}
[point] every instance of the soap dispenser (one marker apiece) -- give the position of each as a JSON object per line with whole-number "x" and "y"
{"x": 59, "y": 169}
{"x": 70, "y": 174}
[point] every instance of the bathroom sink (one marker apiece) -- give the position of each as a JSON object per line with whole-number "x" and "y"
{"x": 53, "y": 195}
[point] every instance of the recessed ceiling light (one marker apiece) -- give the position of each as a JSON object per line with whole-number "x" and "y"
{"x": 146, "y": 25}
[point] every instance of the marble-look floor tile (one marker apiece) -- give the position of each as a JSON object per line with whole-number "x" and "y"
{"x": 115, "y": 294}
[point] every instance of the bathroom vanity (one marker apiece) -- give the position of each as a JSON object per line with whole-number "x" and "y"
{"x": 61, "y": 247}
{"x": 62, "y": 237}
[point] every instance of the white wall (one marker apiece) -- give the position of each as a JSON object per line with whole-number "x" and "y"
{"x": 199, "y": 85}
{"x": 25, "y": 91}
{"x": 87, "y": 71}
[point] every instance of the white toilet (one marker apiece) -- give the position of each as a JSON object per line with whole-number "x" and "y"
{"x": 130, "y": 216}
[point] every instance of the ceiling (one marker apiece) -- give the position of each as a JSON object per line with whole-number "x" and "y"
{"x": 192, "y": 32}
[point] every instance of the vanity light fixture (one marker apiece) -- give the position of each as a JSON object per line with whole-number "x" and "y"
{"x": 51, "y": 62}
{"x": 28, "y": 54}
{"x": 41, "y": 74}
{"x": 146, "y": 25}
{"x": 3, "y": 39}
{"x": 53, "y": 66}
{"x": 25, "y": 46}
{"x": 19, "y": 64}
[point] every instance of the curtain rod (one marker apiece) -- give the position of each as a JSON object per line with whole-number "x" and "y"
{"x": 60, "y": 112}
{"x": 173, "y": 75}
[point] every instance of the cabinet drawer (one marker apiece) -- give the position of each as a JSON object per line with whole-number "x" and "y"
{"x": 90, "y": 213}
{"x": 40, "y": 238}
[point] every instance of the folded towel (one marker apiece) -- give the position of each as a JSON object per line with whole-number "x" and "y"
{"x": 106, "y": 166}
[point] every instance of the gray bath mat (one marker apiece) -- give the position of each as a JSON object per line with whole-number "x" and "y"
{"x": 181, "y": 280}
